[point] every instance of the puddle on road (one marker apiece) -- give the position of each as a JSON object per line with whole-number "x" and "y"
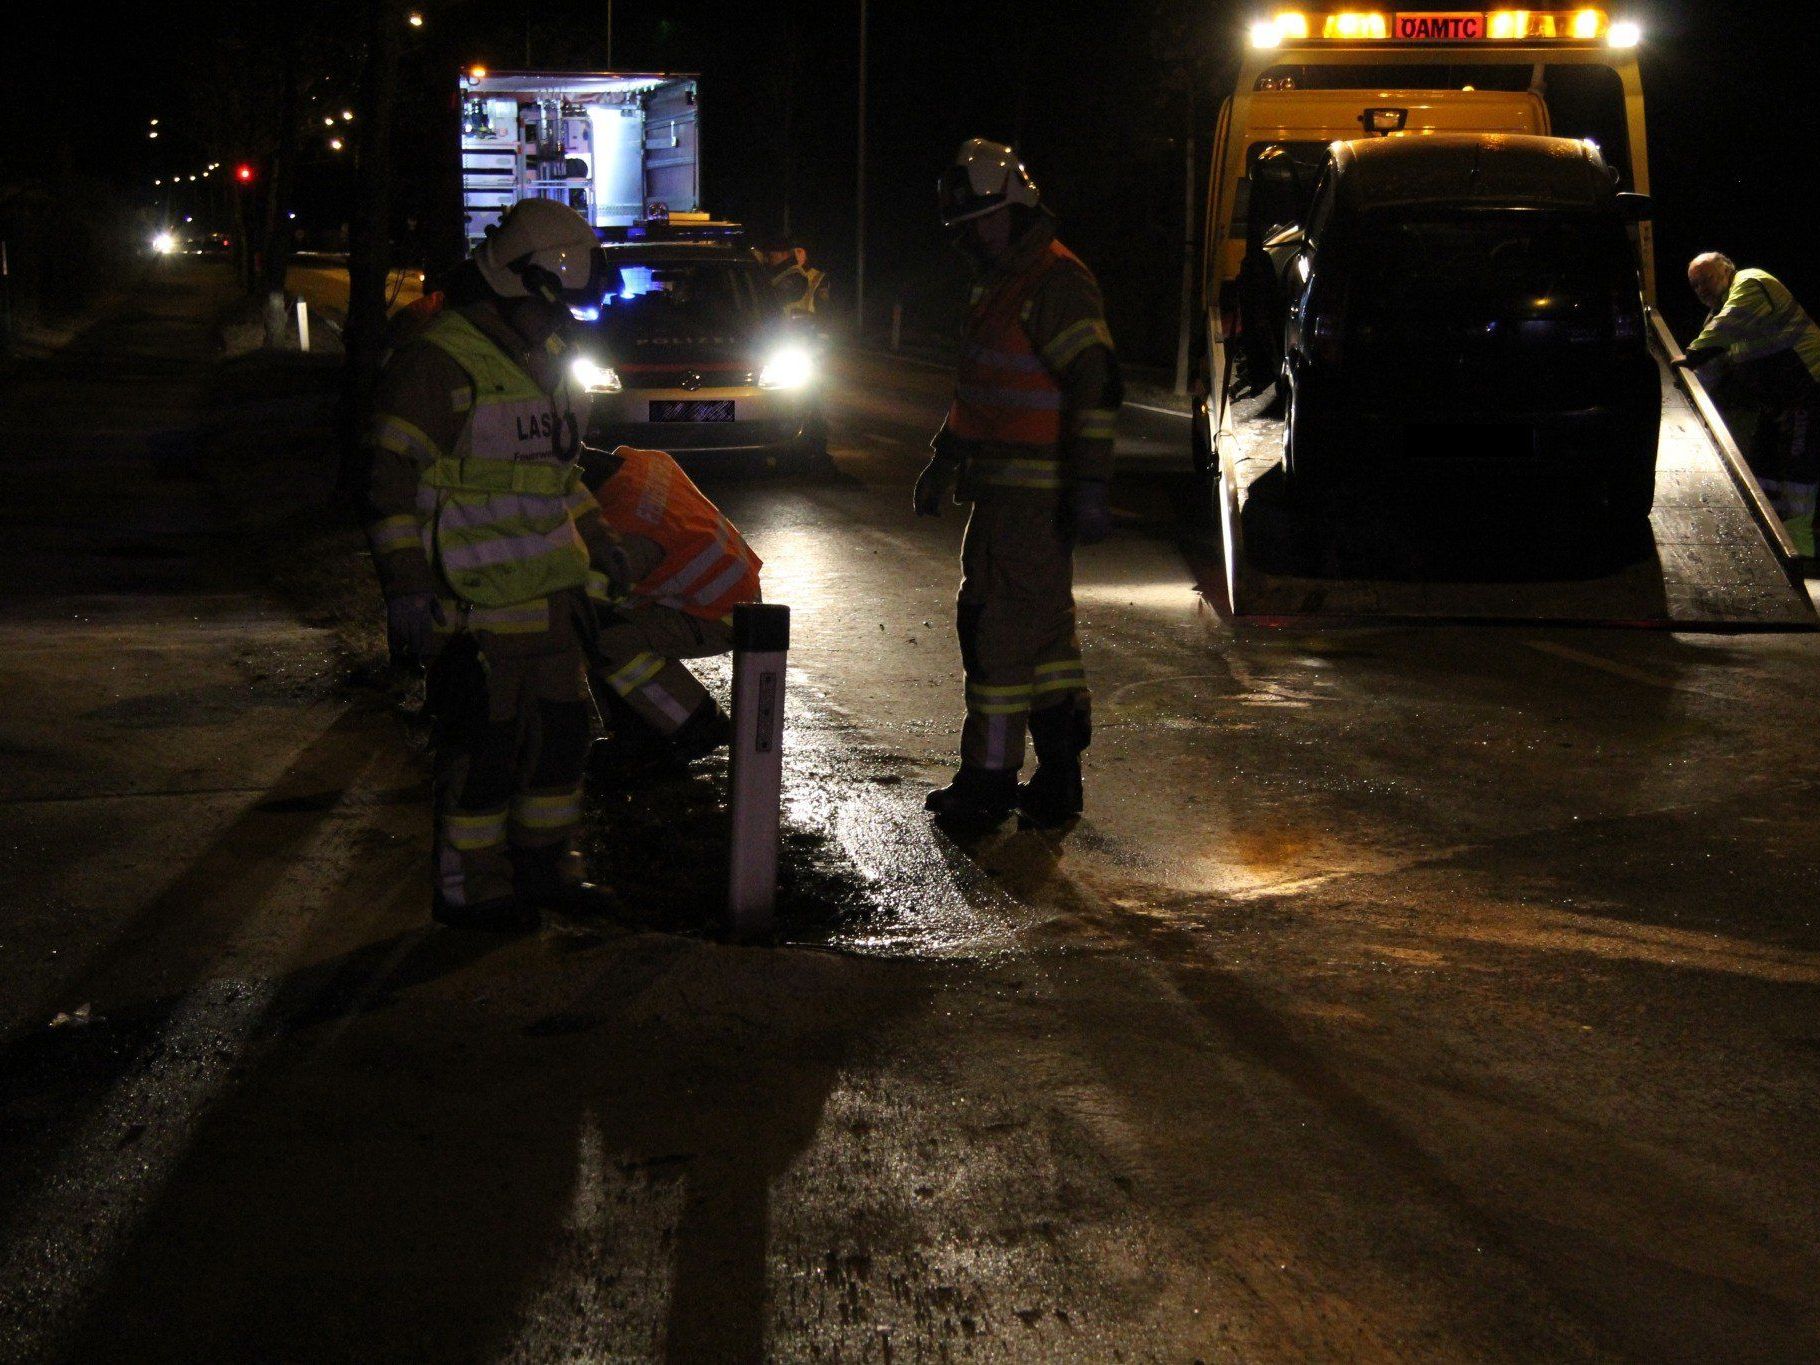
{"x": 861, "y": 867}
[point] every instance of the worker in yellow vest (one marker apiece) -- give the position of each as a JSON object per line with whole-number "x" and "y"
{"x": 485, "y": 539}
{"x": 1770, "y": 351}
{"x": 1029, "y": 441}
{"x": 687, "y": 567}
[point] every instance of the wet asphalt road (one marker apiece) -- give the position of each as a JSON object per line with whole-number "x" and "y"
{"x": 1406, "y": 994}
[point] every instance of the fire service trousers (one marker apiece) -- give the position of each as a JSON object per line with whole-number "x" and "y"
{"x": 1015, "y": 618}
{"x": 511, "y": 739}
{"x": 635, "y": 653}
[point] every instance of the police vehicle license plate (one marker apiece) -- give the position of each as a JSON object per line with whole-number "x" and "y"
{"x": 691, "y": 409}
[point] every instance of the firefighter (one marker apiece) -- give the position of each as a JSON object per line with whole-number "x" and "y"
{"x": 1028, "y": 441}
{"x": 1771, "y": 349}
{"x": 797, "y": 287}
{"x": 484, "y": 539}
{"x": 688, "y": 568}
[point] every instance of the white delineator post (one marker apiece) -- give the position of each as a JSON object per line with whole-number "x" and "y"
{"x": 303, "y": 325}
{"x": 761, "y": 645}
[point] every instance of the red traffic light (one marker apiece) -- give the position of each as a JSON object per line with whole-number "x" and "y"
{"x": 244, "y": 173}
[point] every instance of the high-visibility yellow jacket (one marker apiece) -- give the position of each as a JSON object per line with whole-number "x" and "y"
{"x": 1758, "y": 319}
{"x": 476, "y": 494}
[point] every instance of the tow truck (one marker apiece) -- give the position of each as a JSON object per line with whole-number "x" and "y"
{"x": 1716, "y": 556}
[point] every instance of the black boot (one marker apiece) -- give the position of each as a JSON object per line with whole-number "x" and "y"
{"x": 977, "y": 796}
{"x": 706, "y": 730}
{"x": 502, "y": 915}
{"x": 1052, "y": 797}
{"x": 552, "y": 879}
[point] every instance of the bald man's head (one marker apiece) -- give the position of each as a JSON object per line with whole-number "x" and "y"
{"x": 1710, "y": 274}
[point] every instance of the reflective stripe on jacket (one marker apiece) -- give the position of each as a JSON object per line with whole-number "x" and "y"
{"x": 707, "y": 568}
{"x": 496, "y": 511}
{"x": 1005, "y": 393}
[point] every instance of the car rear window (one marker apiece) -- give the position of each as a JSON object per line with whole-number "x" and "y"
{"x": 1538, "y": 260}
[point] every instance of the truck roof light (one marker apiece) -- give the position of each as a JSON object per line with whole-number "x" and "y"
{"x": 1353, "y": 24}
{"x": 1582, "y": 24}
{"x": 1624, "y": 33}
{"x": 1283, "y": 25}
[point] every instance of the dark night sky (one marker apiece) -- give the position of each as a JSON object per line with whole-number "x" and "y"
{"x": 1090, "y": 92}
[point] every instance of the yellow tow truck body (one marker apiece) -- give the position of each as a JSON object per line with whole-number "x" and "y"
{"x": 1312, "y": 78}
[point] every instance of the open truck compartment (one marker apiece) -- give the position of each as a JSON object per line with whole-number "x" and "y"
{"x": 617, "y": 147}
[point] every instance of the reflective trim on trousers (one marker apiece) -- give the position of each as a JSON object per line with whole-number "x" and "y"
{"x": 661, "y": 699}
{"x": 1068, "y": 675}
{"x": 472, "y": 831}
{"x": 1015, "y": 473}
{"x": 635, "y": 673}
{"x": 546, "y": 812}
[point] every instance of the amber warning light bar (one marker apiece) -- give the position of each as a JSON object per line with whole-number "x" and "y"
{"x": 1444, "y": 26}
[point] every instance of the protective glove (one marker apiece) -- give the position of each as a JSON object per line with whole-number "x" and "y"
{"x": 934, "y": 484}
{"x": 1693, "y": 360}
{"x": 410, "y": 626}
{"x": 1089, "y": 512}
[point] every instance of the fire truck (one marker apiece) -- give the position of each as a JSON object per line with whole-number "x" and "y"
{"x": 1310, "y": 79}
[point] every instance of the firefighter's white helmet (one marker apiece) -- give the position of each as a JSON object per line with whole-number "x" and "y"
{"x": 985, "y": 177}
{"x": 543, "y": 248}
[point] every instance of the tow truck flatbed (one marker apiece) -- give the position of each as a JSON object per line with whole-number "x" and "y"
{"x": 1713, "y": 558}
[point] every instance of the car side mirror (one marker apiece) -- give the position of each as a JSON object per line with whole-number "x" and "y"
{"x": 1635, "y": 208}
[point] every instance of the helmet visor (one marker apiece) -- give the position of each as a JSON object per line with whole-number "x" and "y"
{"x": 954, "y": 193}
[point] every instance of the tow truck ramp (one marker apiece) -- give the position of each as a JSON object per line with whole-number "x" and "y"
{"x": 1713, "y": 557}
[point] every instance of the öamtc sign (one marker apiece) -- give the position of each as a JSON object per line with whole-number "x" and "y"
{"x": 1459, "y": 27}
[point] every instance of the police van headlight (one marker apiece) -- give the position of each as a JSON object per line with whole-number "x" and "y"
{"x": 164, "y": 243}
{"x": 595, "y": 377}
{"x": 790, "y": 368}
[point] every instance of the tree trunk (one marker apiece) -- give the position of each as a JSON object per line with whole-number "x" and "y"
{"x": 369, "y": 237}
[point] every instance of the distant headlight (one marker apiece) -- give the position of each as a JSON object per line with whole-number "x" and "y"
{"x": 164, "y": 243}
{"x": 791, "y": 368}
{"x": 595, "y": 378}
